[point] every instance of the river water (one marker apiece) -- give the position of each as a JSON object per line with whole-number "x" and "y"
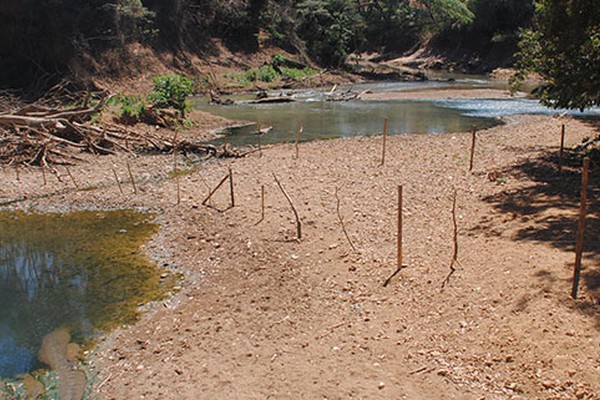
{"x": 323, "y": 119}
{"x": 73, "y": 274}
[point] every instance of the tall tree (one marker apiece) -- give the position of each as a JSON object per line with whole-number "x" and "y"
{"x": 564, "y": 49}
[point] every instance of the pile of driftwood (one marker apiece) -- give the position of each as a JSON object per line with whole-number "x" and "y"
{"x": 40, "y": 134}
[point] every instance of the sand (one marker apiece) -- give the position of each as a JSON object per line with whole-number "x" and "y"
{"x": 261, "y": 315}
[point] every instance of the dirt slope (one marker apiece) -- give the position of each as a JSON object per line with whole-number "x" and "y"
{"x": 261, "y": 315}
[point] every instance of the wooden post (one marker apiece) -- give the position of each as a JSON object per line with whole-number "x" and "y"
{"x": 562, "y": 146}
{"x": 399, "y": 260}
{"x": 72, "y": 178}
{"x": 118, "y": 181}
{"x": 385, "y": 128}
{"x": 580, "y": 228}
{"x": 231, "y": 188}
{"x": 473, "y": 138}
{"x": 17, "y": 171}
{"x": 399, "y": 265}
{"x": 131, "y": 177}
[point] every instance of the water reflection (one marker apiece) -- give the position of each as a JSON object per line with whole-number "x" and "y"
{"x": 80, "y": 270}
{"x": 323, "y": 120}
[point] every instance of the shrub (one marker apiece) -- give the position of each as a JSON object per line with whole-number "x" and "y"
{"x": 171, "y": 91}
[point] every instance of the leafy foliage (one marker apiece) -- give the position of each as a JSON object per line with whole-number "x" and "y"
{"x": 564, "y": 49}
{"x": 132, "y": 108}
{"x": 171, "y": 90}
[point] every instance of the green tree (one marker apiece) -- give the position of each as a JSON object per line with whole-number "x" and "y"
{"x": 564, "y": 49}
{"x": 330, "y": 28}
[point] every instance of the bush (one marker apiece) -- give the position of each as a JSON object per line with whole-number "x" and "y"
{"x": 171, "y": 91}
{"x": 132, "y": 108}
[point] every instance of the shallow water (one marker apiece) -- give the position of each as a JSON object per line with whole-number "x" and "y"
{"x": 79, "y": 272}
{"x": 323, "y": 120}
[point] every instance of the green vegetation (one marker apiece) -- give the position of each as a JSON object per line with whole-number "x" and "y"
{"x": 564, "y": 49}
{"x": 275, "y": 71}
{"x": 131, "y": 108}
{"x": 171, "y": 91}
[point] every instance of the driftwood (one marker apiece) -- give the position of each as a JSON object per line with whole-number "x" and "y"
{"x": 43, "y": 134}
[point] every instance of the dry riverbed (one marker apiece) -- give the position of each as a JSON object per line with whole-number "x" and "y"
{"x": 263, "y": 315}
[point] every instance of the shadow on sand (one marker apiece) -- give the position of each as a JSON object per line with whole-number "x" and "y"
{"x": 549, "y": 210}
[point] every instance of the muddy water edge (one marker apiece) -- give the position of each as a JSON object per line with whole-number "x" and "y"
{"x": 64, "y": 278}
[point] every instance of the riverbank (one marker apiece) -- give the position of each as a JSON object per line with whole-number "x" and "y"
{"x": 262, "y": 315}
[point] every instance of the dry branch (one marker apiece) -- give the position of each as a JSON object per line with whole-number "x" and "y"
{"x": 455, "y": 240}
{"x": 342, "y": 221}
{"x": 298, "y": 223}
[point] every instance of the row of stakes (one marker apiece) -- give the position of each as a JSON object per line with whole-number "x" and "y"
{"x": 399, "y": 265}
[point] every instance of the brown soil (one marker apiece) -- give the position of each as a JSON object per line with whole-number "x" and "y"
{"x": 261, "y": 315}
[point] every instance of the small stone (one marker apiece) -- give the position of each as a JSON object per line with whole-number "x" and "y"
{"x": 381, "y": 385}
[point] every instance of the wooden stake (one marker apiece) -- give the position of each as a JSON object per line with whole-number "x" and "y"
{"x": 118, "y": 181}
{"x": 131, "y": 177}
{"x": 473, "y": 138}
{"x": 580, "y": 228}
{"x": 72, "y": 178}
{"x": 298, "y": 223}
{"x": 215, "y": 189}
{"x": 399, "y": 264}
{"x": 562, "y": 146}
{"x": 231, "y": 188}
{"x": 385, "y": 128}
{"x": 17, "y": 172}
{"x": 298, "y": 133}
{"x": 342, "y": 221}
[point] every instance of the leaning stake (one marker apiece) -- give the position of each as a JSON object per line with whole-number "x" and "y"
{"x": 581, "y": 228}
{"x": 298, "y": 223}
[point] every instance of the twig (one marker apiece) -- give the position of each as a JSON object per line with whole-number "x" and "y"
{"x": 562, "y": 146}
{"x": 298, "y": 223}
{"x": 342, "y": 221}
{"x": 175, "y": 168}
{"x": 215, "y": 189}
{"x": 118, "y": 181}
{"x": 131, "y": 177}
{"x": 473, "y": 138}
{"x": 262, "y": 204}
{"x": 385, "y": 128}
{"x": 455, "y": 239}
{"x": 72, "y": 178}
{"x": 298, "y": 133}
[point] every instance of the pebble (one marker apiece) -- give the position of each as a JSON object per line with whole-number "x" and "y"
{"x": 381, "y": 385}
